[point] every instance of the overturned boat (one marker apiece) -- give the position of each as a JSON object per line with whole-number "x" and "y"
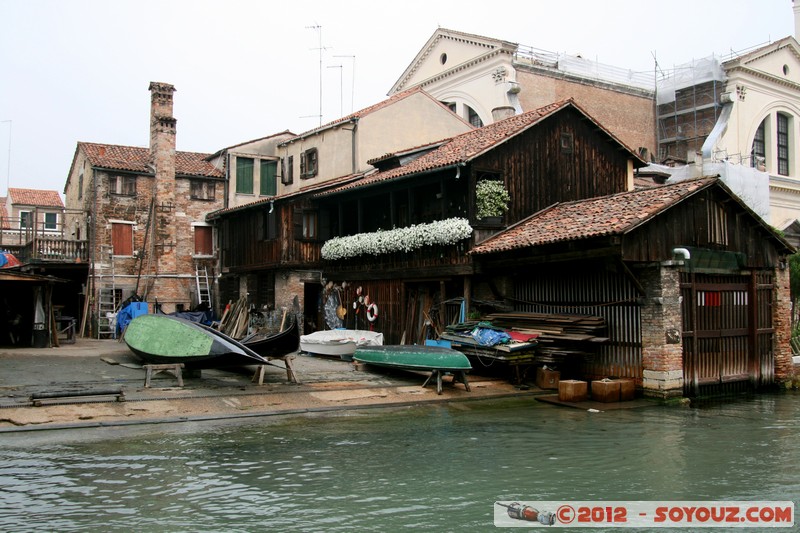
{"x": 435, "y": 359}
{"x": 164, "y": 339}
{"x": 339, "y": 342}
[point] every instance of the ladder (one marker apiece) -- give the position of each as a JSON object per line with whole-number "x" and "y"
{"x": 203, "y": 287}
{"x": 106, "y": 309}
{"x": 107, "y": 299}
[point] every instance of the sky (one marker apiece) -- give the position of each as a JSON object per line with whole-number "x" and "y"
{"x": 78, "y": 70}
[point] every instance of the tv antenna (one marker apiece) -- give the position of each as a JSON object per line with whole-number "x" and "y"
{"x": 353, "y": 80}
{"x": 321, "y": 48}
{"x": 341, "y": 112}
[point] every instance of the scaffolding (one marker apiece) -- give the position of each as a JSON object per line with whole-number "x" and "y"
{"x": 689, "y": 103}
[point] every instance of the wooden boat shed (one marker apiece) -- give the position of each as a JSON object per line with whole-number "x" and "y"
{"x": 694, "y": 286}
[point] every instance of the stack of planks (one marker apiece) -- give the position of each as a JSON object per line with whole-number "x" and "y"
{"x": 559, "y": 335}
{"x": 235, "y": 319}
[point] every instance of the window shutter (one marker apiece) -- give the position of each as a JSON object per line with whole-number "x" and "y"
{"x": 203, "y": 244}
{"x": 303, "y": 164}
{"x": 122, "y": 239}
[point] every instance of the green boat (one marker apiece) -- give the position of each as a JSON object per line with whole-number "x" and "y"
{"x": 164, "y": 339}
{"x": 436, "y": 359}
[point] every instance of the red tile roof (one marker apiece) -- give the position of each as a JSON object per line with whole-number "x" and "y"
{"x": 34, "y": 197}
{"x": 616, "y": 214}
{"x": 467, "y": 146}
{"x": 137, "y": 159}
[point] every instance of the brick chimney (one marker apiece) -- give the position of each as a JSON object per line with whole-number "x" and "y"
{"x": 162, "y": 157}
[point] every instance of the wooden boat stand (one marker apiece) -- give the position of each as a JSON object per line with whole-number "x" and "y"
{"x": 458, "y": 376}
{"x": 258, "y": 377}
{"x": 151, "y": 370}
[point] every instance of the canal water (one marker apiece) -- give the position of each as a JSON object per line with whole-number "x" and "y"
{"x": 431, "y": 468}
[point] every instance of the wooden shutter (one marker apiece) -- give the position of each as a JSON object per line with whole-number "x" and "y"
{"x": 122, "y": 239}
{"x": 203, "y": 242}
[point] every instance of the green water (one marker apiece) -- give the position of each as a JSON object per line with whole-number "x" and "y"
{"x": 434, "y": 468}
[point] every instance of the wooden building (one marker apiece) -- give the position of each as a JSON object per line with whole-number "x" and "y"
{"x": 400, "y": 248}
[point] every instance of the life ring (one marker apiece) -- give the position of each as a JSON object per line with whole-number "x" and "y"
{"x": 372, "y": 312}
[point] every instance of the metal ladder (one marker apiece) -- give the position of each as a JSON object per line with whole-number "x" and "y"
{"x": 203, "y": 286}
{"x": 106, "y": 309}
{"x": 107, "y": 302}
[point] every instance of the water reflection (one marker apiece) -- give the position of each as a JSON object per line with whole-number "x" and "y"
{"x": 438, "y": 468}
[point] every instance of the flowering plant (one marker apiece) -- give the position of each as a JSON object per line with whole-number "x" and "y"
{"x": 442, "y": 232}
{"x": 491, "y": 198}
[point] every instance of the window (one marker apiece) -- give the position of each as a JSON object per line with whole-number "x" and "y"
{"x": 269, "y": 173}
{"x": 50, "y": 220}
{"x": 783, "y": 144}
{"x": 80, "y": 185}
{"x": 308, "y": 163}
{"x": 717, "y": 224}
{"x": 122, "y": 185}
{"x": 203, "y": 190}
{"x": 567, "y": 143}
{"x": 473, "y": 118}
{"x": 310, "y": 225}
{"x": 450, "y": 105}
{"x": 287, "y": 170}
{"x": 25, "y": 220}
{"x": 203, "y": 240}
{"x": 244, "y": 175}
{"x": 305, "y": 225}
{"x": 759, "y": 153}
{"x": 122, "y": 238}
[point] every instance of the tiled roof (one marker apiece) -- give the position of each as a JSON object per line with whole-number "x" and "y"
{"x": 267, "y": 199}
{"x": 137, "y": 159}
{"x": 467, "y": 146}
{"x": 34, "y": 197}
{"x": 616, "y": 214}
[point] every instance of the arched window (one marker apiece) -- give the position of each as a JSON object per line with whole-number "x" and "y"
{"x": 759, "y": 153}
{"x": 783, "y": 144}
{"x": 473, "y": 117}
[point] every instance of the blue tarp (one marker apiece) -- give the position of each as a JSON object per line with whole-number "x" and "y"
{"x": 490, "y": 336}
{"x": 128, "y": 313}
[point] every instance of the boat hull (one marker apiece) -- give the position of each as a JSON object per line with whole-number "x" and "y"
{"x": 164, "y": 339}
{"x": 276, "y": 345}
{"x": 339, "y": 342}
{"x": 413, "y": 357}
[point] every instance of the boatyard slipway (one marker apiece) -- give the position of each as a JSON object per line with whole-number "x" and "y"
{"x": 101, "y": 383}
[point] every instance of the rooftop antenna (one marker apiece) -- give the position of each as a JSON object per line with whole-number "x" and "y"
{"x": 341, "y": 112}
{"x": 353, "y": 80}
{"x": 321, "y": 48}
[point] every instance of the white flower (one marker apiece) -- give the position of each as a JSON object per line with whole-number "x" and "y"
{"x": 491, "y": 199}
{"x": 443, "y": 232}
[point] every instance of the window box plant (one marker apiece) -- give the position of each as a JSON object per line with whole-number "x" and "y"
{"x": 491, "y": 199}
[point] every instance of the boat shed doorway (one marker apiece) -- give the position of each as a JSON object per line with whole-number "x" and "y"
{"x": 727, "y": 332}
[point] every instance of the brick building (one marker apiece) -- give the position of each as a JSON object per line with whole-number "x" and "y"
{"x": 142, "y": 211}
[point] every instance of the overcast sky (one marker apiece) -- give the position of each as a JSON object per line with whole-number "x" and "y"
{"x": 78, "y": 70}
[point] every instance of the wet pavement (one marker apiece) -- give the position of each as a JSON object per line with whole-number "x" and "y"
{"x": 101, "y": 383}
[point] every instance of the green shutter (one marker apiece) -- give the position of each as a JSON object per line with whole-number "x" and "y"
{"x": 269, "y": 172}
{"x": 244, "y": 175}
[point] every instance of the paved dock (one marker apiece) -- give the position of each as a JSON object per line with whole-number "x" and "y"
{"x": 101, "y": 383}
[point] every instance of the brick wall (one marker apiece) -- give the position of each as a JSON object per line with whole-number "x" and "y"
{"x": 635, "y": 126}
{"x": 782, "y": 324}
{"x": 662, "y": 346}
